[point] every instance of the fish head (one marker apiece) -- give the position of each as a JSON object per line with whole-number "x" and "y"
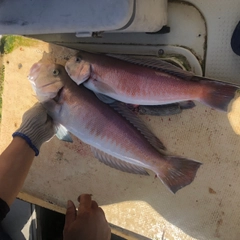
{"x": 78, "y": 69}
{"x": 47, "y": 79}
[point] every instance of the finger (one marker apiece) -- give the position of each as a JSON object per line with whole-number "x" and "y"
{"x": 52, "y": 107}
{"x": 102, "y": 213}
{"x": 70, "y": 214}
{"x": 82, "y": 195}
{"x": 36, "y": 105}
{"x": 94, "y": 205}
{"x": 49, "y": 121}
{"x": 85, "y": 203}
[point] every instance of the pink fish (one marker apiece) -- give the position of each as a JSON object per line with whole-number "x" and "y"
{"x": 141, "y": 81}
{"x": 113, "y": 139}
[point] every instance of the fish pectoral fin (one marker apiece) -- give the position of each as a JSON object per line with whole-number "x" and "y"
{"x": 62, "y": 133}
{"x": 155, "y": 63}
{"x": 122, "y": 109}
{"x": 104, "y": 98}
{"x": 117, "y": 163}
{"x": 99, "y": 86}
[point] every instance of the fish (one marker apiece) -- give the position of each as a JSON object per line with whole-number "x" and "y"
{"x": 145, "y": 81}
{"x": 117, "y": 140}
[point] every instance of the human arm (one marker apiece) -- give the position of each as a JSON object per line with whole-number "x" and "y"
{"x": 88, "y": 223}
{"x": 15, "y": 163}
{"x": 17, "y": 158}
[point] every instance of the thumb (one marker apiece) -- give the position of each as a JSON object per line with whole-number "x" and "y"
{"x": 70, "y": 214}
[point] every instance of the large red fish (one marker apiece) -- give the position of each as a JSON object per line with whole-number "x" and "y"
{"x": 142, "y": 81}
{"x": 114, "y": 140}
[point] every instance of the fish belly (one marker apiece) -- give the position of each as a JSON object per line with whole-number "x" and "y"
{"x": 102, "y": 128}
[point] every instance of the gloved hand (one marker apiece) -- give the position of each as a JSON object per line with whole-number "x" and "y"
{"x": 36, "y": 128}
{"x": 88, "y": 223}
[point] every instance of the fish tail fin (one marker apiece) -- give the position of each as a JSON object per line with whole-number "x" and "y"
{"x": 178, "y": 172}
{"x": 217, "y": 94}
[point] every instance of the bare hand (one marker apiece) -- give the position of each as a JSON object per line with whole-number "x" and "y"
{"x": 88, "y": 223}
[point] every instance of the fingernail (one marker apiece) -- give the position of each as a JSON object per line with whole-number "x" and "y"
{"x": 79, "y": 198}
{"x": 69, "y": 204}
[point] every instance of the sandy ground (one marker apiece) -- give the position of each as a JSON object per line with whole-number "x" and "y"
{"x": 141, "y": 204}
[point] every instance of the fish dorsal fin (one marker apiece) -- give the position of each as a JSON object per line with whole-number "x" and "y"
{"x": 155, "y": 63}
{"x": 117, "y": 163}
{"x": 122, "y": 109}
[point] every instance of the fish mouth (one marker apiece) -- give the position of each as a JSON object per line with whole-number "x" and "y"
{"x": 33, "y": 76}
{"x": 47, "y": 84}
{"x": 34, "y": 71}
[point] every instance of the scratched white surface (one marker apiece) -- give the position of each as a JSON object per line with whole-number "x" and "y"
{"x": 207, "y": 209}
{"x": 221, "y": 17}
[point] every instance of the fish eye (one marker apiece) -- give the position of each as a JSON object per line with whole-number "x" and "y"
{"x": 78, "y": 59}
{"x": 55, "y": 72}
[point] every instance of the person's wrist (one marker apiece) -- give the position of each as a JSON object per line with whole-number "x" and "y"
{"x": 22, "y": 144}
{"x": 33, "y": 132}
{"x": 27, "y": 140}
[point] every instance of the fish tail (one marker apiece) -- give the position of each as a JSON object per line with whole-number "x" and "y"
{"x": 217, "y": 94}
{"x": 178, "y": 172}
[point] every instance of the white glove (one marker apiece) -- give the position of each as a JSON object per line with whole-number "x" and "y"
{"x": 36, "y": 128}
